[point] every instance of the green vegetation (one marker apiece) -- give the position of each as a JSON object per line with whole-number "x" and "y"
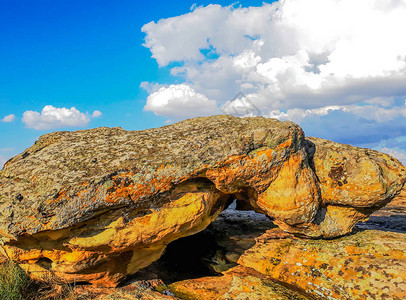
{"x": 13, "y": 281}
{"x": 15, "y": 284}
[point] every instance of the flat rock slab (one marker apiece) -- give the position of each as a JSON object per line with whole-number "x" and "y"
{"x": 369, "y": 264}
{"x": 68, "y": 177}
{"x": 237, "y": 283}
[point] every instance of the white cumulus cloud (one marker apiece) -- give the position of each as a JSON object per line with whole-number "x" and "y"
{"x": 288, "y": 54}
{"x": 338, "y": 67}
{"x": 96, "y": 114}
{"x": 52, "y": 117}
{"x": 8, "y": 118}
{"x": 180, "y": 101}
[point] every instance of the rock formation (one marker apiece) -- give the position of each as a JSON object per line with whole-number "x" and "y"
{"x": 367, "y": 265}
{"x": 354, "y": 182}
{"x": 96, "y": 205}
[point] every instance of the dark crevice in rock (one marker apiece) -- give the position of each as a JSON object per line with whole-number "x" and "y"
{"x": 210, "y": 252}
{"x": 45, "y": 263}
{"x": 185, "y": 258}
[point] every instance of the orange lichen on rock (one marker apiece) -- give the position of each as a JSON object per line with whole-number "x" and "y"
{"x": 96, "y": 205}
{"x": 368, "y": 264}
{"x": 356, "y": 177}
{"x": 236, "y": 283}
{"x": 129, "y": 242}
{"x": 292, "y": 197}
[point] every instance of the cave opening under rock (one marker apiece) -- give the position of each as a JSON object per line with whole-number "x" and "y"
{"x": 211, "y": 251}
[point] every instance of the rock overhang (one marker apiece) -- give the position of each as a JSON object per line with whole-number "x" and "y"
{"x": 110, "y": 200}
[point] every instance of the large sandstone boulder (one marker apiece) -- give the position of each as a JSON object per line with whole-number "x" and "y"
{"x": 354, "y": 182}
{"x": 96, "y": 205}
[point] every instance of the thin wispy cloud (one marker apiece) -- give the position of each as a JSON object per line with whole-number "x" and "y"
{"x": 8, "y": 118}
{"x": 97, "y": 114}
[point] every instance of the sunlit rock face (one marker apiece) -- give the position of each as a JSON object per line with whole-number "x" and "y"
{"x": 236, "y": 283}
{"x": 353, "y": 182}
{"x": 99, "y": 204}
{"x": 369, "y": 264}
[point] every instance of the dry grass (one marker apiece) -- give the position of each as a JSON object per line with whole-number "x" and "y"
{"x": 53, "y": 288}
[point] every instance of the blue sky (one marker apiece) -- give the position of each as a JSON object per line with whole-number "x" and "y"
{"x": 85, "y": 54}
{"x": 292, "y": 59}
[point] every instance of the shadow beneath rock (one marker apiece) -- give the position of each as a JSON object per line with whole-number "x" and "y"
{"x": 210, "y": 252}
{"x": 393, "y": 223}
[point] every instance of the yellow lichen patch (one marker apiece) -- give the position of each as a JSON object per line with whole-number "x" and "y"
{"x": 285, "y": 144}
{"x": 186, "y": 213}
{"x": 125, "y": 244}
{"x": 343, "y": 268}
{"x": 340, "y": 184}
{"x": 21, "y": 255}
{"x": 398, "y": 254}
{"x": 350, "y": 176}
{"x": 264, "y": 151}
{"x": 74, "y": 256}
{"x": 339, "y": 219}
{"x": 240, "y": 171}
{"x": 94, "y": 209}
{"x": 330, "y": 221}
{"x": 293, "y": 196}
{"x": 236, "y": 283}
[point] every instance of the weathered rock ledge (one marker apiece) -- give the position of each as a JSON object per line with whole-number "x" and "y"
{"x": 369, "y": 264}
{"x": 96, "y": 205}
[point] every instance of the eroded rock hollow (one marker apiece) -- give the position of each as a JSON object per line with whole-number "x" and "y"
{"x": 99, "y": 204}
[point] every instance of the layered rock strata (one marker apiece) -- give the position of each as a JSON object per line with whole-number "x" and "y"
{"x": 96, "y": 205}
